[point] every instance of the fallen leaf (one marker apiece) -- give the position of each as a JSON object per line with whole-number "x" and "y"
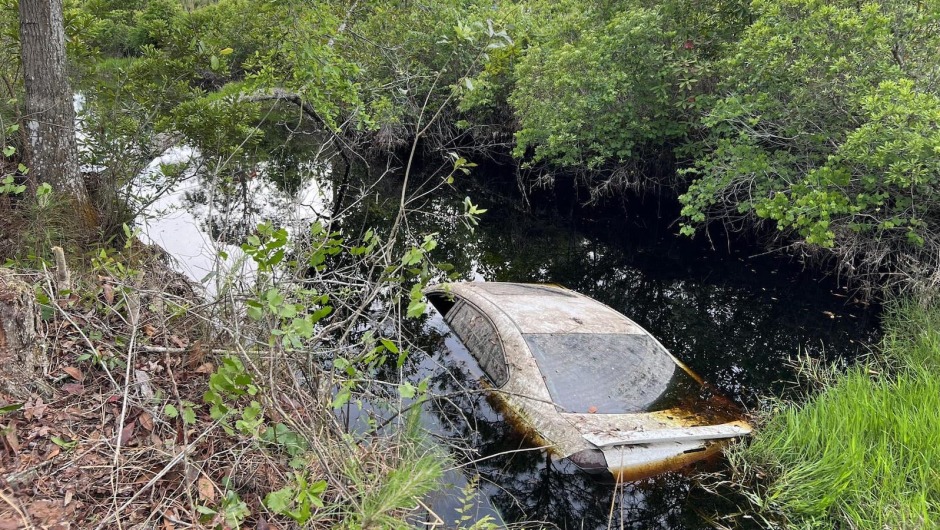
{"x": 47, "y": 513}
{"x": 75, "y": 373}
{"x": 146, "y": 420}
{"x": 68, "y": 497}
{"x": 177, "y": 341}
{"x": 592, "y": 409}
{"x": 36, "y": 410}
{"x": 169, "y": 516}
{"x": 76, "y": 389}
{"x": 206, "y": 489}
{"x": 53, "y": 452}
{"x": 41, "y": 432}
{"x": 262, "y": 525}
{"x": 12, "y": 439}
{"x": 205, "y": 368}
{"x": 149, "y": 330}
{"x": 127, "y": 433}
{"x": 108, "y": 292}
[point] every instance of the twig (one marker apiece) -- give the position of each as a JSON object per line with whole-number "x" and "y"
{"x": 13, "y": 478}
{"x": 166, "y": 469}
{"x": 179, "y": 403}
{"x": 12, "y": 503}
{"x": 133, "y": 307}
{"x": 496, "y": 455}
{"x": 166, "y": 349}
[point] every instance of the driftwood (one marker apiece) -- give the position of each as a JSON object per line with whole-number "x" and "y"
{"x": 21, "y": 359}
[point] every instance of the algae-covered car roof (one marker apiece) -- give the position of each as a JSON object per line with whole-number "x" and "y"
{"x": 578, "y": 369}
{"x": 547, "y": 308}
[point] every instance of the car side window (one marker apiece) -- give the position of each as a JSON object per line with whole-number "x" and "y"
{"x": 479, "y": 336}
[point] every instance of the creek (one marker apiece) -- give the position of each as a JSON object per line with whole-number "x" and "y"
{"x": 737, "y": 317}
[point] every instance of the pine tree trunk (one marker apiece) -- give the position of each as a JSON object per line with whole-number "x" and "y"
{"x": 52, "y": 155}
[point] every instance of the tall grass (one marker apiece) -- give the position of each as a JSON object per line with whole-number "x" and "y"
{"x": 864, "y": 452}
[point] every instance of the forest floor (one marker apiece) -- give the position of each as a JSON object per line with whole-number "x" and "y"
{"x": 123, "y": 441}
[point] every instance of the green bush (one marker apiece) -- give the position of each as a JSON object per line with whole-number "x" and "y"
{"x": 826, "y": 127}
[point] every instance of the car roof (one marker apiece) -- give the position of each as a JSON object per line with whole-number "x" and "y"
{"x": 544, "y": 308}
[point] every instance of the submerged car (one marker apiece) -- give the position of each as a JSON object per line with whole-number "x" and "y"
{"x": 586, "y": 381}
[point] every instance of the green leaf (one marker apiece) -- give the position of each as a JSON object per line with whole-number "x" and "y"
{"x": 416, "y": 309}
{"x": 389, "y": 345}
{"x": 411, "y": 257}
{"x": 406, "y": 390}
{"x": 189, "y": 416}
{"x": 171, "y": 411}
{"x": 280, "y": 501}
{"x": 62, "y": 443}
{"x": 342, "y": 397}
{"x": 9, "y": 150}
{"x": 13, "y": 407}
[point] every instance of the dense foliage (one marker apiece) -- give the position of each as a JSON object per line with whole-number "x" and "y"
{"x": 816, "y": 118}
{"x": 825, "y": 124}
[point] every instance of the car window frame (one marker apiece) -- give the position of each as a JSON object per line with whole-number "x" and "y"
{"x": 458, "y": 306}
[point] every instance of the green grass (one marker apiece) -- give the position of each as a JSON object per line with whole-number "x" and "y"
{"x": 864, "y": 452}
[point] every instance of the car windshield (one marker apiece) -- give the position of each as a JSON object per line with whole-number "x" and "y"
{"x": 609, "y": 373}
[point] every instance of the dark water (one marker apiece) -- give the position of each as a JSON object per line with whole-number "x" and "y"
{"x": 737, "y": 320}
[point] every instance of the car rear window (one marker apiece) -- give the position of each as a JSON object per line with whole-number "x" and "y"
{"x": 609, "y": 373}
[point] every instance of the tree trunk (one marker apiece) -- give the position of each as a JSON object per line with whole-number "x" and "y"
{"x": 21, "y": 360}
{"x": 52, "y": 155}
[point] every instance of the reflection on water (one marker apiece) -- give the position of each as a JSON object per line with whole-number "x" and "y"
{"x": 201, "y": 219}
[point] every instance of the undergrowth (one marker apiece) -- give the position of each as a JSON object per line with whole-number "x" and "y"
{"x": 864, "y": 452}
{"x": 170, "y": 408}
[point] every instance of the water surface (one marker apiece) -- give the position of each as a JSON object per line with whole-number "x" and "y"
{"x": 735, "y": 318}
